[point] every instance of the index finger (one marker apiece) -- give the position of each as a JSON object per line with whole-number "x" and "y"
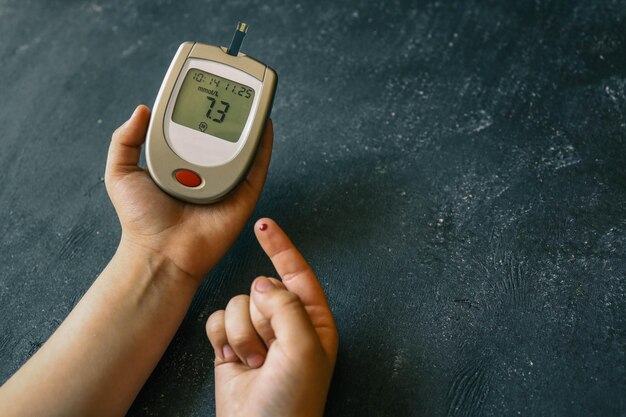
{"x": 298, "y": 278}
{"x": 293, "y": 269}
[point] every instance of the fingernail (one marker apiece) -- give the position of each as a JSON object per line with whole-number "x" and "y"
{"x": 263, "y": 226}
{"x": 255, "y": 360}
{"x": 263, "y": 284}
{"x": 227, "y": 352}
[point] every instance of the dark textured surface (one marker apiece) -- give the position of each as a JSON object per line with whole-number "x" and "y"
{"x": 454, "y": 171}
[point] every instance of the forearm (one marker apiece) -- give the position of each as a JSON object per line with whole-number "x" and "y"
{"x": 101, "y": 355}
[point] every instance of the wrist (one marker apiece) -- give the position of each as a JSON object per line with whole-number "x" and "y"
{"x": 155, "y": 264}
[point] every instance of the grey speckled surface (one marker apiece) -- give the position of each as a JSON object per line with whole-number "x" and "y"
{"x": 454, "y": 171}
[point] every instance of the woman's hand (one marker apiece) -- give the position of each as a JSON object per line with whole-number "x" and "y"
{"x": 275, "y": 350}
{"x": 192, "y": 237}
{"x": 97, "y": 360}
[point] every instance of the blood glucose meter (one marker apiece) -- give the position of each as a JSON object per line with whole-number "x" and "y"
{"x": 208, "y": 119}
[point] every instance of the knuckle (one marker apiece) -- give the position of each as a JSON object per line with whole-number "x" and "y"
{"x": 278, "y": 283}
{"x": 263, "y": 327}
{"x": 215, "y": 322}
{"x": 289, "y": 303}
{"x": 290, "y": 300}
{"x": 238, "y": 300}
{"x": 259, "y": 320}
{"x": 238, "y": 340}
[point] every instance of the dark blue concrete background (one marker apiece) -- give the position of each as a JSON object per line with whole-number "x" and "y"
{"x": 454, "y": 171}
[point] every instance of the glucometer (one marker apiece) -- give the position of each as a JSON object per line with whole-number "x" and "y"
{"x": 208, "y": 119}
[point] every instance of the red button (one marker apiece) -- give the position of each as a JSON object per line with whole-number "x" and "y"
{"x": 188, "y": 178}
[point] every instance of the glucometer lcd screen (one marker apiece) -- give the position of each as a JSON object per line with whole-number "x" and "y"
{"x": 213, "y": 105}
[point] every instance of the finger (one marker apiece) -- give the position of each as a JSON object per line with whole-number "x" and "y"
{"x": 241, "y": 334}
{"x": 251, "y": 188}
{"x": 289, "y": 320}
{"x": 289, "y": 263}
{"x": 258, "y": 170}
{"x": 261, "y": 324}
{"x": 216, "y": 332}
{"x": 299, "y": 279}
{"x": 125, "y": 147}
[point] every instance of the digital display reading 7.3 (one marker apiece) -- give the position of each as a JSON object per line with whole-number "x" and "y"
{"x": 213, "y": 105}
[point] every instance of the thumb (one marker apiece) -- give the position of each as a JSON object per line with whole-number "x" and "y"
{"x": 126, "y": 142}
{"x": 287, "y": 316}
